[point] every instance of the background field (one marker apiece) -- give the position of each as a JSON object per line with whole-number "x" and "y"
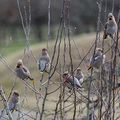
{"x": 83, "y": 42}
{"x": 7, "y": 77}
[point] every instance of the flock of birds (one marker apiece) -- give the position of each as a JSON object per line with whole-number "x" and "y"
{"x": 44, "y": 62}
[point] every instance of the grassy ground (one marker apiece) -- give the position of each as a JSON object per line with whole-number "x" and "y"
{"x": 13, "y": 53}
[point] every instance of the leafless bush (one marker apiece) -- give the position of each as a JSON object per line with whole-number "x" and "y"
{"x": 100, "y": 98}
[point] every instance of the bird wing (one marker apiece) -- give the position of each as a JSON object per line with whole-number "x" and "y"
{"x": 103, "y": 61}
{"x": 106, "y": 26}
{"x": 48, "y": 64}
{"x": 16, "y": 106}
{"x": 90, "y": 59}
{"x": 77, "y": 82}
{"x": 97, "y": 56}
{"x": 42, "y": 65}
{"x": 11, "y": 106}
{"x": 82, "y": 78}
{"x": 90, "y": 63}
{"x": 25, "y": 70}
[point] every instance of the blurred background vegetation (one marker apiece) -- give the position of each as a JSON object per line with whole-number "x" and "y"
{"x": 83, "y": 16}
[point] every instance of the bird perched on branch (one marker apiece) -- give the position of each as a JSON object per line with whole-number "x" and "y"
{"x": 44, "y": 61}
{"x": 70, "y": 81}
{"x": 21, "y": 71}
{"x": 99, "y": 59}
{"x": 79, "y": 75}
{"x": 13, "y": 102}
{"x": 110, "y": 26}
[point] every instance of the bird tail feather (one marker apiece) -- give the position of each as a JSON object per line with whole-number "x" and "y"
{"x": 30, "y": 78}
{"x": 105, "y": 36}
{"x": 89, "y": 67}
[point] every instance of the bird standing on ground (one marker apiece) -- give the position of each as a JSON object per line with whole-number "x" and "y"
{"x": 44, "y": 61}
{"x": 110, "y": 27}
{"x": 99, "y": 59}
{"x": 21, "y": 71}
{"x": 70, "y": 81}
{"x": 13, "y": 102}
{"x": 79, "y": 75}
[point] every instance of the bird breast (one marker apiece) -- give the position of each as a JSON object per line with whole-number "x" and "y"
{"x": 113, "y": 29}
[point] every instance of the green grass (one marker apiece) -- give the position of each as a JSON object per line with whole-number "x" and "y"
{"x": 11, "y": 48}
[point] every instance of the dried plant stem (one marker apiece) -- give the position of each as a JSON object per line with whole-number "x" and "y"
{"x": 97, "y": 32}
{"x": 37, "y": 105}
{"x": 61, "y": 115}
{"x": 71, "y": 62}
{"x": 50, "y": 74}
{"x": 114, "y": 64}
{"x": 56, "y": 108}
{"x": 26, "y": 114}
{"x": 5, "y": 63}
{"x": 12, "y": 89}
{"x": 5, "y": 103}
{"x": 49, "y": 2}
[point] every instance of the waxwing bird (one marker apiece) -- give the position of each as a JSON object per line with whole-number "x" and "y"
{"x": 69, "y": 82}
{"x": 110, "y": 26}
{"x": 13, "y": 102}
{"x": 44, "y": 61}
{"x": 99, "y": 59}
{"x": 79, "y": 75}
{"x": 21, "y": 71}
